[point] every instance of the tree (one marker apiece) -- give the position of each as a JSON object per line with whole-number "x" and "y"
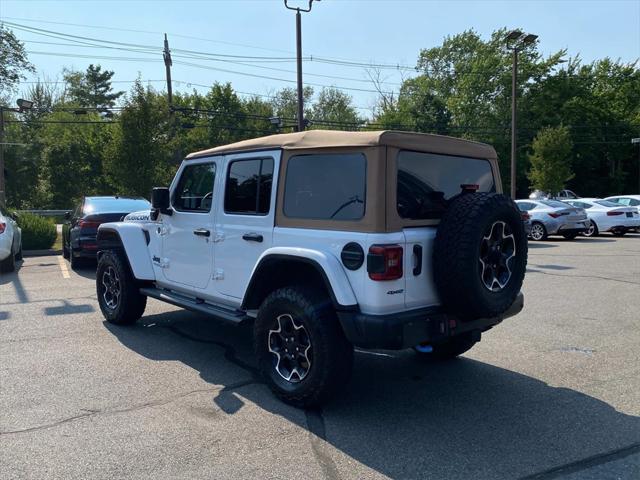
{"x": 13, "y": 61}
{"x": 334, "y": 108}
{"x": 285, "y": 104}
{"x": 92, "y": 88}
{"x": 550, "y": 160}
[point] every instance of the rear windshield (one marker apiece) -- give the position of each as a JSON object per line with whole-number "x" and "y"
{"x": 606, "y": 203}
{"x": 427, "y": 181}
{"x": 115, "y": 205}
{"x": 326, "y": 186}
{"x": 554, "y": 203}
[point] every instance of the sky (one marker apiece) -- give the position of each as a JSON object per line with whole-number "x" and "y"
{"x": 389, "y": 32}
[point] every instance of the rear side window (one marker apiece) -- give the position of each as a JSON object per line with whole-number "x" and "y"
{"x": 427, "y": 181}
{"x": 194, "y": 192}
{"x": 326, "y": 186}
{"x": 553, "y": 203}
{"x": 248, "y": 190}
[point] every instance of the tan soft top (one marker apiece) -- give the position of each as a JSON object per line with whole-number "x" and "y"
{"x": 314, "y": 139}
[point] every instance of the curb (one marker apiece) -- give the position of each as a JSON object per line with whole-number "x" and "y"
{"x": 41, "y": 253}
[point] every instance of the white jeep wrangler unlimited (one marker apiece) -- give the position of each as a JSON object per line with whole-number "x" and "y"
{"x": 326, "y": 240}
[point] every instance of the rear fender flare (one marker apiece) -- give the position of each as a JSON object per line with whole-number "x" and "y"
{"x": 133, "y": 240}
{"x": 326, "y": 264}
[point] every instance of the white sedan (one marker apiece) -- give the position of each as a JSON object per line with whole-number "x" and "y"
{"x": 10, "y": 242}
{"x": 607, "y": 216}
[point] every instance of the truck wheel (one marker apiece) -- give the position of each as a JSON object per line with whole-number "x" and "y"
{"x": 300, "y": 347}
{"x": 118, "y": 292}
{"x": 448, "y": 350}
{"x": 480, "y": 255}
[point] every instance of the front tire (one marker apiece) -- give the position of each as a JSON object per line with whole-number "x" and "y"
{"x": 538, "y": 232}
{"x": 118, "y": 291}
{"x": 300, "y": 347}
{"x": 592, "y": 231}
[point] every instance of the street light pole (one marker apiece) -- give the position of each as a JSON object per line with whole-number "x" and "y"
{"x": 636, "y": 141}
{"x": 514, "y": 114}
{"x": 301, "y": 123}
{"x": 516, "y": 40}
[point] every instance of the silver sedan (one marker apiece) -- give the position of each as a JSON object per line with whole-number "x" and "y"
{"x": 551, "y": 217}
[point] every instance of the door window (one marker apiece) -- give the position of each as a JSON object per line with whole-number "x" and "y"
{"x": 248, "y": 189}
{"x": 194, "y": 192}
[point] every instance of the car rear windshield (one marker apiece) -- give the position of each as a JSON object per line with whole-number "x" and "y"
{"x": 554, "y": 204}
{"x": 326, "y": 186}
{"x": 115, "y": 205}
{"x": 607, "y": 203}
{"x": 427, "y": 181}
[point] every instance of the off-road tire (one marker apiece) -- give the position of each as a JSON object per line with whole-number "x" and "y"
{"x": 570, "y": 236}
{"x": 8, "y": 265}
{"x": 331, "y": 353}
{"x": 457, "y": 251}
{"x": 132, "y": 303}
{"x": 448, "y": 350}
{"x": 544, "y": 231}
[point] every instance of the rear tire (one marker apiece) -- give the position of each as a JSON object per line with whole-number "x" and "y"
{"x": 570, "y": 236}
{"x": 297, "y": 335}
{"x": 118, "y": 291}
{"x": 19, "y": 254}
{"x": 448, "y": 350}
{"x": 65, "y": 251}
{"x": 8, "y": 265}
{"x": 75, "y": 262}
{"x": 618, "y": 233}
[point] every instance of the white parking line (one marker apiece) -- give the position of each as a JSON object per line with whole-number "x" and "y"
{"x": 63, "y": 267}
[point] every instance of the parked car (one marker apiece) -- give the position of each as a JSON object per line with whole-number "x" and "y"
{"x": 10, "y": 241}
{"x": 607, "y": 216}
{"x": 626, "y": 200}
{"x": 561, "y": 195}
{"x": 552, "y": 217}
{"x": 81, "y": 225}
{"x": 327, "y": 240}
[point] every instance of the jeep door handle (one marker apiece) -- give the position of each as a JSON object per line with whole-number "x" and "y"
{"x": 202, "y": 232}
{"x": 252, "y": 237}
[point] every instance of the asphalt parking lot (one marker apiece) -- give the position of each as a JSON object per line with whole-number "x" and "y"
{"x": 551, "y": 393}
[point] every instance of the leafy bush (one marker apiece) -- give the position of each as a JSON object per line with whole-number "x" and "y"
{"x": 38, "y": 233}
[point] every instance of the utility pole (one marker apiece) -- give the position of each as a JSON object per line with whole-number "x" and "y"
{"x": 166, "y": 54}
{"x": 516, "y": 40}
{"x": 301, "y": 122}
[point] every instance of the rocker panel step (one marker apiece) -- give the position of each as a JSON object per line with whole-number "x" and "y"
{"x": 233, "y": 316}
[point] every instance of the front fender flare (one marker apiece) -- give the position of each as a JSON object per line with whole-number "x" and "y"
{"x": 132, "y": 238}
{"x": 327, "y": 265}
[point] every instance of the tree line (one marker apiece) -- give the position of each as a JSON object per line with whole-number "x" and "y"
{"x": 576, "y": 120}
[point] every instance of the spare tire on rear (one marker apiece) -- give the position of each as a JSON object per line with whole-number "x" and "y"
{"x": 480, "y": 255}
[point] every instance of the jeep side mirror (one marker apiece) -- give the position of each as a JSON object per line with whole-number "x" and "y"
{"x": 67, "y": 215}
{"x": 160, "y": 200}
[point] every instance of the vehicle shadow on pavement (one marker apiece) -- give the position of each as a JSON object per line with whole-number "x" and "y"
{"x": 401, "y": 416}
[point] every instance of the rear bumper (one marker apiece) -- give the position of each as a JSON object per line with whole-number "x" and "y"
{"x": 408, "y": 329}
{"x": 85, "y": 246}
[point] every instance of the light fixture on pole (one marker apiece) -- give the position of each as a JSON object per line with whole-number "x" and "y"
{"x": 23, "y": 105}
{"x": 301, "y": 124}
{"x": 516, "y": 40}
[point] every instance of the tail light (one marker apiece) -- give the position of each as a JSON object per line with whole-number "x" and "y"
{"x": 88, "y": 224}
{"x": 3, "y": 227}
{"x": 525, "y": 216}
{"x": 555, "y": 215}
{"x": 613, "y": 214}
{"x": 384, "y": 262}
